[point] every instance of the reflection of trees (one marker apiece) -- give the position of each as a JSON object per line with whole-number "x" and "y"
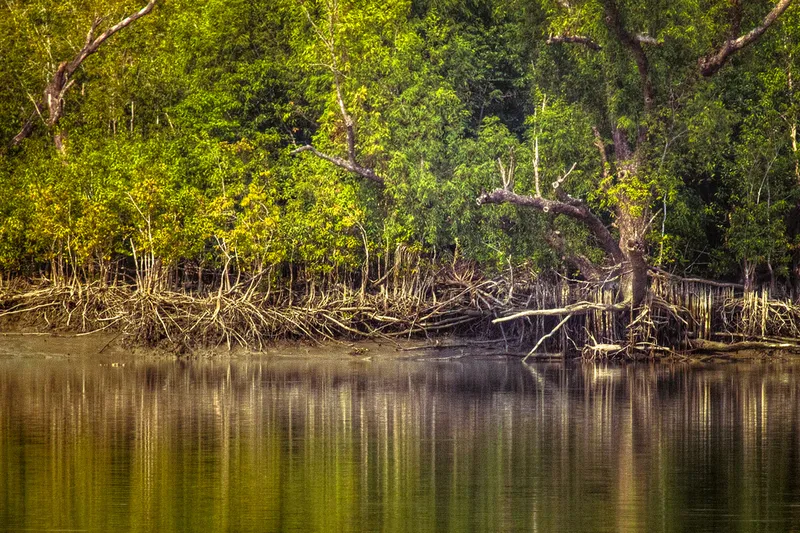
{"x": 396, "y": 446}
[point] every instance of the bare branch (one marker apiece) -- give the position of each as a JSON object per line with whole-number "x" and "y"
{"x": 348, "y": 121}
{"x": 656, "y": 272}
{"x": 580, "y": 308}
{"x": 559, "y": 190}
{"x": 93, "y": 44}
{"x": 588, "y": 270}
{"x": 90, "y": 35}
{"x": 536, "y": 165}
{"x": 646, "y": 39}
{"x": 351, "y": 164}
{"x": 542, "y": 339}
{"x": 710, "y": 64}
{"x": 341, "y": 163}
{"x": 588, "y": 42}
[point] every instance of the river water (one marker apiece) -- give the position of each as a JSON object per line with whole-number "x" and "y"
{"x": 276, "y": 444}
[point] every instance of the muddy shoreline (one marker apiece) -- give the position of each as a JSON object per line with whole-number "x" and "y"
{"x": 114, "y": 348}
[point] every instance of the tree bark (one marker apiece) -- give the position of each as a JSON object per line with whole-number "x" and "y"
{"x": 350, "y": 166}
{"x": 615, "y": 24}
{"x": 574, "y": 39}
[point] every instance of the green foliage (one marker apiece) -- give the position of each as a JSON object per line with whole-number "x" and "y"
{"x": 757, "y": 235}
{"x": 179, "y": 132}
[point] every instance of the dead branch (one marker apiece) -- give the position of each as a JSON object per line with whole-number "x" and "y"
{"x": 507, "y": 174}
{"x": 351, "y": 164}
{"x": 577, "y": 210}
{"x": 657, "y": 272}
{"x": 591, "y": 351}
{"x": 702, "y": 345}
{"x": 646, "y": 39}
{"x": 561, "y": 194}
{"x": 61, "y": 81}
{"x": 580, "y": 308}
{"x": 591, "y": 44}
{"x": 565, "y": 205}
{"x": 710, "y": 64}
{"x": 545, "y": 337}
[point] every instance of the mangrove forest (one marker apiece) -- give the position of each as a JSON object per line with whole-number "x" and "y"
{"x": 615, "y": 178}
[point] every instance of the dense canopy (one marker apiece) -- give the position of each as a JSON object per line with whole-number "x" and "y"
{"x": 322, "y": 136}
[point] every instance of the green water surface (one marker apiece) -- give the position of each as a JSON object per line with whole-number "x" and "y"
{"x": 403, "y": 445}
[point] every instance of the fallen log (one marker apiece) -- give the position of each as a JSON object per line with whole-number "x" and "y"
{"x": 702, "y": 345}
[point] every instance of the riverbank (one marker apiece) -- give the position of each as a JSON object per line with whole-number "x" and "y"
{"x": 532, "y": 318}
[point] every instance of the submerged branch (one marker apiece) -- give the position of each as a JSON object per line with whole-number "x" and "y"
{"x": 545, "y": 337}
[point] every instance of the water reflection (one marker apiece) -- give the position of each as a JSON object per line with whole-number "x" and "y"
{"x": 276, "y": 445}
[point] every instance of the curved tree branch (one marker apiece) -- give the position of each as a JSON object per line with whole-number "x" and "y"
{"x": 92, "y": 44}
{"x": 576, "y": 209}
{"x": 351, "y": 164}
{"x": 53, "y": 95}
{"x": 588, "y": 270}
{"x": 710, "y": 64}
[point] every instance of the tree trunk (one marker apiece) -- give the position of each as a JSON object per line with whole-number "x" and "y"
{"x": 632, "y": 219}
{"x": 634, "y": 282}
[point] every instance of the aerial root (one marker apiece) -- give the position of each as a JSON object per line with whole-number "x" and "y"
{"x": 243, "y": 318}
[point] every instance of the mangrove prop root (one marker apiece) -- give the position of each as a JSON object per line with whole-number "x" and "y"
{"x": 678, "y": 315}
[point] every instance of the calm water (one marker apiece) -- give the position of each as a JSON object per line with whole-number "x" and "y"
{"x": 478, "y": 445}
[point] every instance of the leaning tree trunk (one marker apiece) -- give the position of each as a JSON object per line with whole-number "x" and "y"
{"x": 51, "y": 101}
